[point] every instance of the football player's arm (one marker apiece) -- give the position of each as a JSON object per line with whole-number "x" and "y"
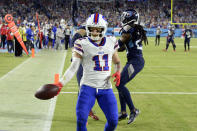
{"x": 69, "y": 73}
{"x": 123, "y": 39}
{"x": 116, "y": 61}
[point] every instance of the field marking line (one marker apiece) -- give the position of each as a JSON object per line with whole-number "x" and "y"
{"x": 180, "y": 76}
{"x": 51, "y": 110}
{"x": 159, "y": 93}
{"x": 16, "y": 68}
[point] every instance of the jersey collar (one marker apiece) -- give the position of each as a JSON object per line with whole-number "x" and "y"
{"x": 102, "y": 43}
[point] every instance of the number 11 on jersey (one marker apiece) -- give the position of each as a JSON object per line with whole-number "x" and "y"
{"x": 98, "y": 67}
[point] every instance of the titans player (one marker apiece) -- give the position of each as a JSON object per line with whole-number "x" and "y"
{"x": 188, "y": 35}
{"x": 131, "y": 39}
{"x": 170, "y": 38}
{"x": 81, "y": 32}
{"x": 96, "y": 53}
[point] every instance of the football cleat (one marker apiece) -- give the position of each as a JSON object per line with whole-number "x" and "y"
{"x": 133, "y": 115}
{"x": 122, "y": 116}
{"x": 91, "y": 114}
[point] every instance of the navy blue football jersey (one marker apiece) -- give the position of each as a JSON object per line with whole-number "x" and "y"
{"x": 188, "y": 33}
{"x": 134, "y": 46}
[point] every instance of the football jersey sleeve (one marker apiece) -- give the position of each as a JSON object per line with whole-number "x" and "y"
{"x": 78, "y": 47}
{"x": 115, "y": 41}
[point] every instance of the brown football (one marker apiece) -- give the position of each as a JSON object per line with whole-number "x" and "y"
{"x": 47, "y": 91}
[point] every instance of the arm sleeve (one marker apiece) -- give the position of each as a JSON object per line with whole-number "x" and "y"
{"x": 68, "y": 75}
{"x": 78, "y": 47}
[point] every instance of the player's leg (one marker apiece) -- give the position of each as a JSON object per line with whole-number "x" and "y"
{"x": 123, "y": 114}
{"x": 79, "y": 76}
{"x": 130, "y": 71}
{"x": 185, "y": 44}
{"x": 85, "y": 102}
{"x": 173, "y": 44}
{"x": 108, "y": 103}
{"x": 124, "y": 94}
{"x": 188, "y": 44}
{"x": 167, "y": 44}
{"x": 158, "y": 40}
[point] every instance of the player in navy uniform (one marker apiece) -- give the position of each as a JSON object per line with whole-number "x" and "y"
{"x": 170, "y": 38}
{"x": 188, "y": 35}
{"x": 81, "y": 32}
{"x": 132, "y": 35}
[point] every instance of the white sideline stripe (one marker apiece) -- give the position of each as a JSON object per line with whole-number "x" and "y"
{"x": 165, "y": 66}
{"x": 159, "y": 93}
{"x": 13, "y": 70}
{"x": 179, "y": 76}
{"x": 51, "y": 110}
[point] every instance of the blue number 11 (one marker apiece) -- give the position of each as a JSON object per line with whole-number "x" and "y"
{"x": 97, "y": 63}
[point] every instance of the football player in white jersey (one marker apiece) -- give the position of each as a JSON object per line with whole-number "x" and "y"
{"x": 96, "y": 53}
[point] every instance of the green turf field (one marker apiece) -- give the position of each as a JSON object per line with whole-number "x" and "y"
{"x": 8, "y": 62}
{"x": 164, "y": 72}
{"x": 165, "y": 92}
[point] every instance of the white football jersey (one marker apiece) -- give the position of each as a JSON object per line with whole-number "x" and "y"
{"x": 97, "y": 60}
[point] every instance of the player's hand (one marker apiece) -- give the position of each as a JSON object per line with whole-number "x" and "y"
{"x": 60, "y": 85}
{"x": 117, "y": 78}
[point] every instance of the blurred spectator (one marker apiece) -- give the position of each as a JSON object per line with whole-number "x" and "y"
{"x": 10, "y": 37}
{"x": 3, "y": 35}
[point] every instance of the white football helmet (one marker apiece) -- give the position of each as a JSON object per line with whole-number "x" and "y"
{"x": 96, "y": 20}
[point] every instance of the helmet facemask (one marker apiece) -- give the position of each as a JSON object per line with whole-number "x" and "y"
{"x": 99, "y": 31}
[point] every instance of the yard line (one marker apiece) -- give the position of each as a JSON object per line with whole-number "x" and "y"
{"x": 157, "y": 93}
{"x": 193, "y": 46}
{"x": 51, "y": 110}
{"x": 180, "y": 76}
{"x": 166, "y": 66}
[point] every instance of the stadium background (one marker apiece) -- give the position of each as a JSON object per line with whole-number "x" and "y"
{"x": 165, "y": 91}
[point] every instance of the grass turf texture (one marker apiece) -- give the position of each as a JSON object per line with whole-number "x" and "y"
{"x": 9, "y": 61}
{"x": 163, "y": 72}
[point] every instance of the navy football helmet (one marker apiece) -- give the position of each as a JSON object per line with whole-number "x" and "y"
{"x": 129, "y": 16}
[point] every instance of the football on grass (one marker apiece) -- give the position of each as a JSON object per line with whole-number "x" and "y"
{"x": 47, "y": 91}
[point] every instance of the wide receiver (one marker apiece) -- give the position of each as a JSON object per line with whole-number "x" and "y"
{"x": 96, "y": 53}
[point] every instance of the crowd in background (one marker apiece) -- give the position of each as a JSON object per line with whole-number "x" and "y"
{"x": 152, "y": 12}
{"x": 57, "y": 17}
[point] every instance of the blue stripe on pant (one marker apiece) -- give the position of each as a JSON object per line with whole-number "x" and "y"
{"x": 107, "y": 102}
